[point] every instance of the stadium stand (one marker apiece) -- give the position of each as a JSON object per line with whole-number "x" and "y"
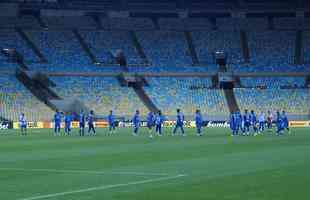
{"x": 287, "y": 23}
{"x": 272, "y": 48}
{"x": 254, "y": 23}
{"x": 16, "y": 99}
{"x": 208, "y": 42}
{"x": 175, "y": 24}
{"x": 63, "y": 52}
{"x": 306, "y": 23}
{"x": 247, "y": 24}
{"x": 9, "y": 39}
{"x": 275, "y": 82}
{"x": 293, "y": 101}
{"x": 196, "y": 23}
{"x": 69, "y": 22}
{"x": 60, "y": 47}
{"x": 25, "y": 21}
{"x": 105, "y": 43}
{"x": 189, "y": 94}
{"x": 127, "y": 23}
{"x": 100, "y": 94}
{"x": 5, "y": 65}
{"x": 165, "y": 48}
{"x": 270, "y": 51}
{"x": 227, "y": 24}
{"x": 306, "y": 47}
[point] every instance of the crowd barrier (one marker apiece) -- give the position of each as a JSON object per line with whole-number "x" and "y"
{"x": 299, "y": 123}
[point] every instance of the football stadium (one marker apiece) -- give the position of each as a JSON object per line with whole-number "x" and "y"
{"x": 150, "y": 100}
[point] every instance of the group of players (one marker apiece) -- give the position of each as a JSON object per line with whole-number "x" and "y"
{"x": 83, "y": 119}
{"x": 250, "y": 124}
{"x": 67, "y": 119}
{"x": 157, "y": 120}
{"x": 154, "y": 119}
{"x": 246, "y": 124}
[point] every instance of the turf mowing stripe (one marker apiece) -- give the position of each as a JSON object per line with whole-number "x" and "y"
{"x": 83, "y": 172}
{"x": 104, "y": 187}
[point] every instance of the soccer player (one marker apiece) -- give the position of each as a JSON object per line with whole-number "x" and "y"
{"x": 198, "y": 121}
{"x": 82, "y": 123}
{"x": 136, "y": 122}
{"x": 179, "y": 123}
{"x": 232, "y": 123}
{"x": 23, "y": 124}
{"x": 253, "y": 121}
{"x": 111, "y": 121}
{"x": 238, "y": 122}
{"x": 269, "y": 120}
{"x": 67, "y": 120}
{"x": 247, "y": 123}
{"x": 91, "y": 119}
{"x": 280, "y": 124}
{"x": 159, "y": 120}
{"x": 57, "y": 122}
{"x": 150, "y": 122}
{"x": 285, "y": 122}
{"x": 261, "y": 121}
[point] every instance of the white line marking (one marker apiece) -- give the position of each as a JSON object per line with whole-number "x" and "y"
{"x": 104, "y": 187}
{"x": 84, "y": 172}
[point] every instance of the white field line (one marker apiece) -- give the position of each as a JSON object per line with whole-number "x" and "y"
{"x": 104, "y": 187}
{"x": 84, "y": 172}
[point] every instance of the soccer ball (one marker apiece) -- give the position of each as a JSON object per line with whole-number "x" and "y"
{"x": 151, "y": 136}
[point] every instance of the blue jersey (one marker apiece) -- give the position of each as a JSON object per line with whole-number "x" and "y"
{"x": 285, "y": 120}
{"x": 90, "y": 119}
{"x": 82, "y": 118}
{"x": 279, "y": 121}
{"x": 150, "y": 118}
{"x": 136, "y": 119}
{"x": 238, "y": 119}
{"x": 68, "y": 119}
{"x": 232, "y": 121}
{"x": 253, "y": 118}
{"x": 22, "y": 121}
{"x": 180, "y": 118}
{"x": 111, "y": 119}
{"x": 279, "y": 118}
{"x": 198, "y": 119}
{"x": 159, "y": 120}
{"x": 246, "y": 117}
{"x": 57, "y": 118}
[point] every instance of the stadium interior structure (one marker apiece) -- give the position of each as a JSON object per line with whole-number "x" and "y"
{"x": 126, "y": 55}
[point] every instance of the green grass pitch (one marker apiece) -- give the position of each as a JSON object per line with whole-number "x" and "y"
{"x": 123, "y": 167}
